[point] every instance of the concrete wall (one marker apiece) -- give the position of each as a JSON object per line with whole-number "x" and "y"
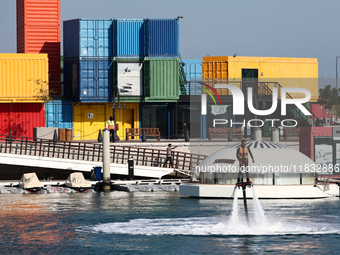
{"x": 44, "y": 132}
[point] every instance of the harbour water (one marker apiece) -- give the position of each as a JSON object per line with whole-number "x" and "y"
{"x": 163, "y": 223}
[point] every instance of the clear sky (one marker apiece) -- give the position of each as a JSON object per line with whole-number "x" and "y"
{"x": 269, "y": 28}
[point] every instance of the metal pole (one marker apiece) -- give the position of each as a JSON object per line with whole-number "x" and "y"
{"x": 115, "y": 137}
{"x": 106, "y": 160}
{"x": 131, "y": 168}
{"x": 336, "y": 71}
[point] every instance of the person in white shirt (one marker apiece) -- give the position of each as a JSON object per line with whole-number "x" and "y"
{"x": 168, "y": 155}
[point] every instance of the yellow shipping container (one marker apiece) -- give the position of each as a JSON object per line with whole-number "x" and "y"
{"x": 89, "y": 118}
{"x": 288, "y": 72}
{"x": 23, "y": 77}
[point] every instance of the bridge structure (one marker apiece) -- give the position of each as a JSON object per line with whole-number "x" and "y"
{"x": 55, "y": 157}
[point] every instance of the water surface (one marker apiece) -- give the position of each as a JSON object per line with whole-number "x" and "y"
{"x": 163, "y": 223}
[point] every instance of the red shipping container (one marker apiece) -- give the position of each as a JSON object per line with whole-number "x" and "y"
{"x": 319, "y": 111}
{"x": 38, "y": 31}
{"x": 21, "y": 118}
{"x": 306, "y": 139}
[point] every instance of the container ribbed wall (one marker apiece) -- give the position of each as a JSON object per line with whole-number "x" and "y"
{"x": 161, "y": 79}
{"x": 22, "y": 76}
{"x": 21, "y": 118}
{"x": 163, "y": 37}
{"x": 38, "y": 31}
{"x": 131, "y": 38}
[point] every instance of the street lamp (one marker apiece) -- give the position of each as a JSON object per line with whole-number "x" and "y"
{"x": 336, "y": 71}
{"x": 115, "y": 136}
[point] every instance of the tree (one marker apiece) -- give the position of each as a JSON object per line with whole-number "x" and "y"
{"x": 329, "y": 97}
{"x": 42, "y": 92}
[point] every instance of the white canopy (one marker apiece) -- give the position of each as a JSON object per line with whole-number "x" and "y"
{"x": 77, "y": 180}
{"x": 30, "y": 181}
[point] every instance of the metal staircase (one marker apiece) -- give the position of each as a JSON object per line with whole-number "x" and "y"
{"x": 292, "y": 110}
{"x": 182, "y": 78}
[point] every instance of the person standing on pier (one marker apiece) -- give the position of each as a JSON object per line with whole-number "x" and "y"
{"x": 168, "y": 155}
{"x": 242, "y": 155}
{"x": 110, "y": 126}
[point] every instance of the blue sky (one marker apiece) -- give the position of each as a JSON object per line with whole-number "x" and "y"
{"x": 289, "y": 28}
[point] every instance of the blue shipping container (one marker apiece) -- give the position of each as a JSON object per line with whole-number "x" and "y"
{"x": 193, "y": 72}
{"x": 163, "y": 37}
{"x": 59, "y": 113}
{"x": 89, "y": 80}
{"x": 131, "y": 38}
{"x": 88, "y": 38}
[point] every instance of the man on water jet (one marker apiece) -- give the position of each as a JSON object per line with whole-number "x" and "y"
{"x": 242, "y": 155}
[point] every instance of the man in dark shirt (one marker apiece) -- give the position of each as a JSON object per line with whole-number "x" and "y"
{"x": 242, "y": 155}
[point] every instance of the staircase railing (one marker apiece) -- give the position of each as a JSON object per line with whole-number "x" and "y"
{"x": 295, "y": 111}
{"x": 182, "y": 77}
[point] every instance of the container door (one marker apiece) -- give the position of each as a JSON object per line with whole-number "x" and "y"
{"x": 127, "y": 120}
{"x": 90, "y": 124}
{"x": 249, "y": 75}
{"x": 50, "y": 114}
{"x": 103, "y": 38}
{"x": 87, "y": 40}
{"x": 103, "y": 80}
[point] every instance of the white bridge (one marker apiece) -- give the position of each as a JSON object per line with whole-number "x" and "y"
{"x": 79, "y": 156}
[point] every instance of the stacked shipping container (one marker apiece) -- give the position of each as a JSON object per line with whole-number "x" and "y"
{"x": 21, "y": 89}
{"x": 88, "y": 53}
{"x": 38, "y": 31}
{"x": 100, "y": 54}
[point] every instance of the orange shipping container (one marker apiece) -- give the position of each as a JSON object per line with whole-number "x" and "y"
{"x": 22, "y": 77}
{"x": 38, "y": 31}
{"x": 288, "y": 72}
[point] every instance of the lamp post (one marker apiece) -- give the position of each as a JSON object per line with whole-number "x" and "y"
{"x": 115, "y": 136}
{"x": 336, "y": 71}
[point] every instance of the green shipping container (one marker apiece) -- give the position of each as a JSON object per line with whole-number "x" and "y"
{"x": 161, "y": 80}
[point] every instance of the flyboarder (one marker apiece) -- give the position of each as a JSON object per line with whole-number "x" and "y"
{"x": 242, "y": 155}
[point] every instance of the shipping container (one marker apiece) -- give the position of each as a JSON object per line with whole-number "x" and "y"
{"x": 90, "y": 118}
{"x": 23, "y": 77}
{"x": 131, "y": 38}
{"x": 161, "y": 79}
{"x": 88, "y": 80}
{"x": 307, "y": 137}
{"x": 193, "y": 74}
{"x": 163, "y": 37}
{"x": 288, "y": 72}
{"x": 59, "y": 113}
{"x": 88, "y": 38}
{"x": 319, "y": 111}
{"x": 38, "y": 31}
{"x": 21, "y": 118}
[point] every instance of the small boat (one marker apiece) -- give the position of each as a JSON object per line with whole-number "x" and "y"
{"x": 77, "y": 181}
{"x": 30, "y": 182}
